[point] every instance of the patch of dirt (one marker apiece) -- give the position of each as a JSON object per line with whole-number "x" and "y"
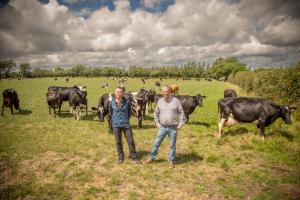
{"x": 292, "y": 189}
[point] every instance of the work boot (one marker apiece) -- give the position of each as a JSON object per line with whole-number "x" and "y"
{"x": 136, "y": 161}
{"x": 120, "y": 161}
{"x": 149, "y": 161}
{"x": 171, "y": 164}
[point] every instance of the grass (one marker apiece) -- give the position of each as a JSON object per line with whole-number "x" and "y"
{"x": 46, "y": 158}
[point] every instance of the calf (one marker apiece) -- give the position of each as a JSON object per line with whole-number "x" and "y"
{"x": 10, "y": 99}
{"x": 54, "y": 100}
{"x": 188, "y": 103}
{"x": 78, "y": 103}
{"x": 229, "y": 93}
{"x": 233, "y": 110}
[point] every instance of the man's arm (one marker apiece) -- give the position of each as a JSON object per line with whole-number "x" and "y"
{"x": 182, "y": 118}
{"x": 156, "y": 115}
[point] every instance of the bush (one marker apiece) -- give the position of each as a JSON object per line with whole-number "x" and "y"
{"x": 280, "y": 85}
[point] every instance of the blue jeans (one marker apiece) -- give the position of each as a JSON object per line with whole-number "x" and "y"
{"x": 161, "y": 134}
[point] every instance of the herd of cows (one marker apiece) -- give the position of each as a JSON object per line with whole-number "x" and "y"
{"x": 231, "y": 109}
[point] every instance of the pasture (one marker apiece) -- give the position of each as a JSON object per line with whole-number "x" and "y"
{"x": 46, "y": 158}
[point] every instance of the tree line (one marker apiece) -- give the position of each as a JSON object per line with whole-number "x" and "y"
{"x": 220, "y": 68}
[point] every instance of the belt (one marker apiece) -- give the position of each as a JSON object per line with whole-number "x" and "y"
{"x": 169, "y": 126}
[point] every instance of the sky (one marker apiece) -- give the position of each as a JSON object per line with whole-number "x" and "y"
{"x": 45, "y": 33}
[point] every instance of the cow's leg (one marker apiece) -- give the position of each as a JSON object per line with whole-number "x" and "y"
{"x": 187, "y": 118}
{"x": 2, "y": 113}
{"x": 49, "y": 110}
{"x": 221, "y": 125}
{"x": 59, "y": 108}
{"x": 54, "y": 112}
{"x": 144, "y": 112}
{"x": 11, "y": 110}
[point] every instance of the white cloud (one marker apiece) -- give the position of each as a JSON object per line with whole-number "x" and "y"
{"x": 51, "y": 34}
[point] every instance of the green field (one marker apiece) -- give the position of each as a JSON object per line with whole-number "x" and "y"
{"x": 46, "y": 158}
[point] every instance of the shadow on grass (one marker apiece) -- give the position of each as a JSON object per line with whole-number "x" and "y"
{"x": 142, "y": 154}
{"x": 285, "y": 134}
{"x": 150, "y": 118}
{"x": 238, "y": 131}
{"x": 90, "y": 117}
{"x": 190, "y": 157}
{"x": 65, "y": 114}
{"x": 200, "y": 123}
{"x": 23, "y": 112}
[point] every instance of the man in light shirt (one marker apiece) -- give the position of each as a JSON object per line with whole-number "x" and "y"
{"x": 169, "y": 118}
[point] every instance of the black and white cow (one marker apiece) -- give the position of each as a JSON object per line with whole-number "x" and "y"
{"x": 229, "y": 93}
{"x": 264, "y": 112}
{"x": 157, "y": 84}
{"x": 188, "y": 103}
{"x": 78, "y": 102}
{"x": 148, "y": 99}
{"x": 66, "y": 92}
{"x": 54, "y": 101}
{"x": 10, "y": 99}
{"x": 105, "y": 85}
{"x": 135, "y": 99}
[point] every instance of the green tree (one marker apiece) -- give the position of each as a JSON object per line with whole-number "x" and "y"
{"x": 6, "y": 66}
{"x": 223, "y": 67}
{"x": 24, "y": 69}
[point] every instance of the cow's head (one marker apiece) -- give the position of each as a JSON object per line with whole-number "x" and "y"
{"x": 16, "y": 104}
{"x": 285, "y": 113}
{"x": 102, "y": 112}
{"x": 199, "y": 99}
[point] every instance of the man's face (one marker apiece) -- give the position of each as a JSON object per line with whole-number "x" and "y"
{"x": 166, "y": 92}
{"x": 118, "y": 93}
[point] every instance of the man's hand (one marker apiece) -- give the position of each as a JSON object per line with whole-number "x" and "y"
{"x": 178, "y": 127}
{"x": 157, "y": 125}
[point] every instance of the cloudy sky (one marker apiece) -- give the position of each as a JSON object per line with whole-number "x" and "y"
{"x": 149, "y": 32}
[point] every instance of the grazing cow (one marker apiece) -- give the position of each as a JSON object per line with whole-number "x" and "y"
{"x": 157, "y": 84}
{"x": 54, "y": 100}
{"x": 135, "y": 99}
{"x": 10, "y": 99}
{"x": 105, "y": 85}
{"x": 143, "y": 80}
{"x": 67, "y": 80}
{"x": 78, "y": 103}
{"x": 66, "y": 93}
{"x": 161, "y": 79}
{"x": 123, "y": 87}
{"x": 188, "y": 103}
{"x": 233, "y": 110}
{"x": 55, "y": 79}
{"x": 229, "y": 93}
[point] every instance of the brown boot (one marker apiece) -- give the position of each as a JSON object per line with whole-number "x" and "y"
{"x": 149, "y": 161}
{"x": 171, "y": 164}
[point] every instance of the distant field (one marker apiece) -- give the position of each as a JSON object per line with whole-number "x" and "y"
{"x": 46, "y": 158}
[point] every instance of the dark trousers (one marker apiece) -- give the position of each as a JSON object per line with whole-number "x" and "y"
{"x": 130, "y": 141}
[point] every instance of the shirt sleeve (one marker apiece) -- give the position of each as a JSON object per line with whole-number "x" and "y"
{"x": 129, "y": 109}
{"x": 182, "y": 118}
{"x": 156, "y": 114}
